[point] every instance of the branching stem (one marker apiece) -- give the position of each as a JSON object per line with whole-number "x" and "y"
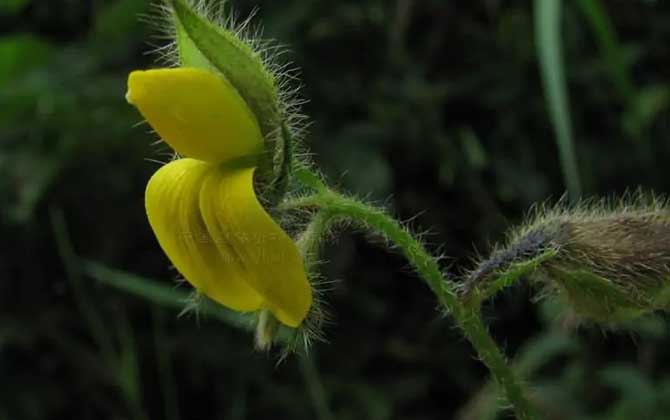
{"x": 466, "y": 316}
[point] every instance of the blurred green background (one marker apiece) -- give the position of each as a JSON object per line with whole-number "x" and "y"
{"x": 435, "y": 108}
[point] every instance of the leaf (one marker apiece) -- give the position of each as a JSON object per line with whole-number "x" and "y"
{"x": 151, "y": 290}
{"x": 603, "y": 30}
{"x": 12, "y": 7}
{"x": 118, "y": 21}
{"x": 20, "y": 54}
{"x": 165, "y": 295}
{"x": 637, "y": 392}
{"x": 646, "y": 107}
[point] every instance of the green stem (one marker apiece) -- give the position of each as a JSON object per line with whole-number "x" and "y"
{"x": 377, "y": 220}
{"x": 467, "y": 318}
{"x": 470, "y": 321}
{"x": 504, "y": 279}
{"x": 310, "y": 239}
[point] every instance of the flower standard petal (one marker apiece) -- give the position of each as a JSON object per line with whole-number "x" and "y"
{"x": 271, "y": 261}
{"x": 172, "y": 204}
{"x": 197, "y": 112}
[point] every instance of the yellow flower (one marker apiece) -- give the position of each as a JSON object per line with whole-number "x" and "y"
{"x": 203, "y": 208}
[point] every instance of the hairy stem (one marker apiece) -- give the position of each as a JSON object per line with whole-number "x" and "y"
{"x": 310, "y": 239}
{"x": 467, "y": 317}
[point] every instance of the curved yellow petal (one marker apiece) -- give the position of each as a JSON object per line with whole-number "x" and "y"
{"x": 273, "y": 266}
{"x": 197, "y": 112}
{"x": 172, "y": 204}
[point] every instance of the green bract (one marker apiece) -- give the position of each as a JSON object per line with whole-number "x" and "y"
{"x": 218, "y": 47}
{"x": 596, "y": 298}
{"x": 203, "y": 44}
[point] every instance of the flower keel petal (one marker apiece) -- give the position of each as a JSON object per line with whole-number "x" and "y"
{"x": 273, "y": 266}
{"x": 172, "y": 204}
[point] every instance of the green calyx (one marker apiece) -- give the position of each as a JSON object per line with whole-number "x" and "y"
{"x": 205, "y": 44}
{"x": 596, "y": 298}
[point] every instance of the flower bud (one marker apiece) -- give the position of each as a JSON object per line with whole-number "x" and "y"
{"x": 608, "y": 264}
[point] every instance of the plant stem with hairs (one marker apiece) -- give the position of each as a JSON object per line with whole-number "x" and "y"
{"x": 334, "y": 206}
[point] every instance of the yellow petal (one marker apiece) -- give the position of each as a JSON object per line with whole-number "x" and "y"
{"x": 172, "y": 204}
{"x": 197, "y": 112}
{"x": 273, "y": 266}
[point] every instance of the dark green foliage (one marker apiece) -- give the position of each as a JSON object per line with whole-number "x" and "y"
{"x": 434, "y": 106}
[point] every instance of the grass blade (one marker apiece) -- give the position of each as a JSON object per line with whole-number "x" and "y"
{"x": 162, "y": 294}
{"x": 92, "y": 317}
{"x": 549, "y": 51}
{"x": 603, "y": 31}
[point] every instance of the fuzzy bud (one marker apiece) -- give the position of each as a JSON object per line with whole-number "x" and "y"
{"x": 608, "y": 263}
